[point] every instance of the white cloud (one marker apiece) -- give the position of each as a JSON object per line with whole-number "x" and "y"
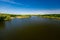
{"x": 12, "y": 2}
{"x": 32, "y": 12}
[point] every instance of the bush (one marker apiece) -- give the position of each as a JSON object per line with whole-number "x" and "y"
{"x": 2, "y": 18}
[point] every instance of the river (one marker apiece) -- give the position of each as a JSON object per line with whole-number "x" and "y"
{"x": 33, "y": 28}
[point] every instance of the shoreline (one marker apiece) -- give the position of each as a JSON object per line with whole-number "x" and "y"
{"x": 51, "y": 17}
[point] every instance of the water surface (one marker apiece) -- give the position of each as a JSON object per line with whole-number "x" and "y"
{"x": 33, "y": 28}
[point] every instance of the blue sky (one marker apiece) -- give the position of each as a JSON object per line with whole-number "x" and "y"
{"x": 30, "y": 6}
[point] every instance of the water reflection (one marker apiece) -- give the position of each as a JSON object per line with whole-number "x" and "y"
{"x": 2, "y": 25}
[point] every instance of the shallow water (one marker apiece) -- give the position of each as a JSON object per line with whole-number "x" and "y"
{"x": 33, "y": 28}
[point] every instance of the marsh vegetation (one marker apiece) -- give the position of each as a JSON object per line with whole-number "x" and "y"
{"x": 11, "y": 16}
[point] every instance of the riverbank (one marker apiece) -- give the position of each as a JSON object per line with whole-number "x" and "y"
{"x": 51, "y": 17}
{"x": 11, "y": 16}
